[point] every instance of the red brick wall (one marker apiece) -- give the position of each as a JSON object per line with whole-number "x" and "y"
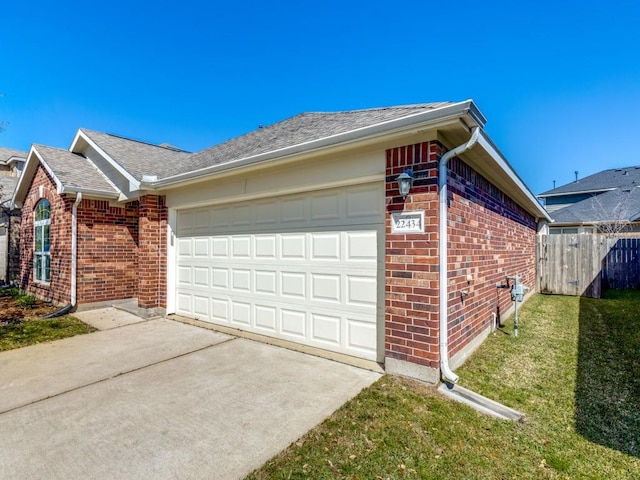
{"x": 107, "y": 251}
{"x": 59, "y": 289}
{"x": 489, "y": 237}
{"x": 152, "y": 260}
{"x": 411, "y": 285}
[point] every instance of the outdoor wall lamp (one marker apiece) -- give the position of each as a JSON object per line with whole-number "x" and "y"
{"x": 405, "y": 182}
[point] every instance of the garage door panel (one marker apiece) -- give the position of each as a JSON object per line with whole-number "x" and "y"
{"x": 241, "y": 215}
{"x": 325, "y": 246}
{"x": 266, "y": 213}
{"x": 201, "y": 277}
{"x": 241, "y": 280}
{"x": 316, "y": 285}
{"x": 184, "y": 247}
{"x": 362, "y": 202}
{"x": 265, "y": 247}
{"x": 325, "y": 288}
{"x": 184, "y": 275}
{"x": 293, "y": 284}
{"x": 201, "y": 305}
{"x": 266, "y": 282}
{"x": 220, "y": 247}
{"x": 293, "y": 210}
{"x": 325, "y": 207}
{"x": 361, "y": 335}
{"x": 325, "y": 329}
{"x": 361, "y": 247}
{"x": 241, "y": 314}
{"x": 294, "y": 323}
{"x": 183, "y": 302}
{"x": 361, "y": 291}
{"x": 293, "y": 246}
{"x": 219, "y": 217}
{"x": 220, "y": 277}
{"x": 201, "y": 247}
{"x": 241, "y": 247}
{"x": 219, "y": 310}
{"x": 266, "y": 318}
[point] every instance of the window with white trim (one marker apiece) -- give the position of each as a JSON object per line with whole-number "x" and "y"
{"x": 42, "y": 244}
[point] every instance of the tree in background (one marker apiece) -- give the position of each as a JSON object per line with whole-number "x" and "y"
{"x": 613, "y": 218}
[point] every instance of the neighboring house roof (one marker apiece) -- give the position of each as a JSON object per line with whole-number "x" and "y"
{"x": 7, "y": 154}
{"x": 599, "y": 182}
{"x": 73, "y": 172}
{"x": 619, "y": 205}
{"x": 139, "y": 158}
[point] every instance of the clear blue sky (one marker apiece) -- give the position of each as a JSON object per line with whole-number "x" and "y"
{"x": 559, "y": 82}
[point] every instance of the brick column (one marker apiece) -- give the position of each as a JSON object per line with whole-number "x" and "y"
{"x": 152, "y": 252}
{"x": 411, "y": 266}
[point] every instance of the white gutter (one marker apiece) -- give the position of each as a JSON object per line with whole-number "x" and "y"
{"x": 443, "y": 253}
{"x": 74, "y": 247}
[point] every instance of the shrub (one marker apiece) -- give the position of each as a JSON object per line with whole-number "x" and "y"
{"x": 25, "y": 300}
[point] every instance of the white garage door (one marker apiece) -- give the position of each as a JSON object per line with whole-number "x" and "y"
{"x": 301, "y": 268}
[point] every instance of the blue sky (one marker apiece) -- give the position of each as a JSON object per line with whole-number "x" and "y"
{"x": 559, "y": 82}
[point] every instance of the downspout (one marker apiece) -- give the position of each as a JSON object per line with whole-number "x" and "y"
{"x": 74, "y": 247}
{"x": 447, "y": 374}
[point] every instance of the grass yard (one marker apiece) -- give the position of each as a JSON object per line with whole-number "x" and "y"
{"x": 39, "y": 330}
{"x": 574, "y": 370}
{"x": 21, "y": 323}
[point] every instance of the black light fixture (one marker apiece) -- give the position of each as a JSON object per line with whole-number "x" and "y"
{"x": 405, "y": 182}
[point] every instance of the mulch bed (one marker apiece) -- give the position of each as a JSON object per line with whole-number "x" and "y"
{"x": 12, "y": 313}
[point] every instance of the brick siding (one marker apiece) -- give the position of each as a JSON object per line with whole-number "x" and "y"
{"x": 121, "y": 248}
{"x": 107, "y": 251}
{"x": 490, "y": 237}
{"x": 152, "y": 263}
{"x": 59, "y": 289}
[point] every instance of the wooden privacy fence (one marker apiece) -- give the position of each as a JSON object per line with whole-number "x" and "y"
{"x": 585, "y": 264}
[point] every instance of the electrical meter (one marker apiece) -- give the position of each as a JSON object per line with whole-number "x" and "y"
{"x": 517, "y": 292}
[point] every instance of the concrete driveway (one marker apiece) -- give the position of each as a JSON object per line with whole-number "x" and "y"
{"x": 159, "y": 399}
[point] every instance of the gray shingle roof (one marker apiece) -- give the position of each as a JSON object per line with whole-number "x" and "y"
{"x": 619, "y": 204}
{"x": 7, "y": 153}
{"x": 139, "y": 158}
{"x": 605, "y": 180}
{"x": 74, "y": 171}
{"x": 297, "y": 130}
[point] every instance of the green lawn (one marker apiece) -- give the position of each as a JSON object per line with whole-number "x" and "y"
{"x": 34, "y": 331}
{"x": 574, "y": 370}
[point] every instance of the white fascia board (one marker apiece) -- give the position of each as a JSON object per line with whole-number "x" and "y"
{"x": 504, "y": 165}
{"x": 381, "y": 130}
{"x": 89, "y": 192}
{"x": 133, "y": 182}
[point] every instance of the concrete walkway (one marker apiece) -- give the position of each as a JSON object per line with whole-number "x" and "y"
{"x": 159, "y": 399}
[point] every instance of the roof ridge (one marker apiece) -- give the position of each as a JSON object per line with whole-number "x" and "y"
{"x": 389, "y": 107}
{"x": 326, "y": 113}
{"x": 142, "y": 142}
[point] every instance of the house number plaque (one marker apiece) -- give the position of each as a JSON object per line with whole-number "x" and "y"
{"x": 407, "y": 222}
